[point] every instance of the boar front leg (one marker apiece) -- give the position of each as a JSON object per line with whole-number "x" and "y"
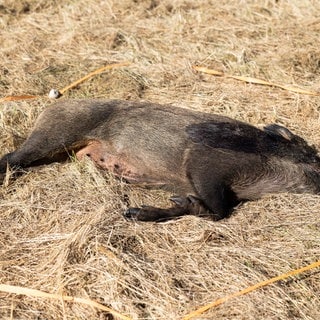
{"x": 189, "y": 205}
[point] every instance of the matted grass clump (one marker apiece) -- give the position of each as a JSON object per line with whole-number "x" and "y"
{"x": 61, "y": 226}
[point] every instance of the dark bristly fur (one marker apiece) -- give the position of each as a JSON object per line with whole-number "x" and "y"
{"x": 212, "y": 162}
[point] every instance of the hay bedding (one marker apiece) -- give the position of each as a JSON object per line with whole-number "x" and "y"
{"x": 61, "y": 226}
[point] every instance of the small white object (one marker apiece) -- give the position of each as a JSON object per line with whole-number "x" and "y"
{"x": 54, "y": 94}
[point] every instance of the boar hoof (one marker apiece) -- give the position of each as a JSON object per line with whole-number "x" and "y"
{"x": 131, "y": 213}
{"x": 148, "y": 213}
{"x": 145, "y": 213}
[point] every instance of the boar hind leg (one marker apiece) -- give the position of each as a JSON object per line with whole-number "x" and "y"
{"x": 36, "y": 150}
{"x": 21, "y": 159}
{"x": 182, "y": 206}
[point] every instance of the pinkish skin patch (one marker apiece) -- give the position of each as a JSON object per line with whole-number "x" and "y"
{"x": 98, "y": 153}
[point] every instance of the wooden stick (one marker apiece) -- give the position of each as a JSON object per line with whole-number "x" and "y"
{"x": 89, "y": 75}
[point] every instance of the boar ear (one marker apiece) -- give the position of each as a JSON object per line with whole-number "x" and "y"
{"x": 276, "y": 130}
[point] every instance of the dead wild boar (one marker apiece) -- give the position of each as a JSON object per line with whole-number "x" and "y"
{"x": 211, "y": 162}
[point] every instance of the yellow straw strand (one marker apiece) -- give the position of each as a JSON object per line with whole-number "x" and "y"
{"x": 250, "y": 289}
{"x": 42, "y": 294}
{"x": 15, "y": 98}
{"x": 255, "y": 81}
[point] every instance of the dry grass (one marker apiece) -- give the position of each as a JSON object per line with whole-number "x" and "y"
{"x": 61, "y": 227}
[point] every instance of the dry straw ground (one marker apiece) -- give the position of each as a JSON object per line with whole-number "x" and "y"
{"x": 61, "y": 226}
